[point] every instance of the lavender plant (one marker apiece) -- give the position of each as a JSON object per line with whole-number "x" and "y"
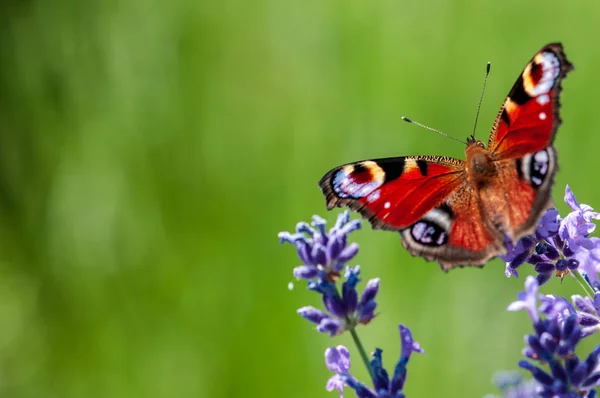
{"x": 559, "y": 246}
{"x": 324, "y": 255}
{"x": 557, "y": 332}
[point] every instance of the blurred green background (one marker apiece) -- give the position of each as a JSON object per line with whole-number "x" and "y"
{"x": 150, "y": 151}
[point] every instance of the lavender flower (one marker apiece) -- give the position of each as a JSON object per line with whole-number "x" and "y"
{"x": 345, "y": 310}
{"x": 527, "y": 300}
{"x": 513, "y": 385}
{"x": 557, "y": 332}
{"x": 588, "y": 313}
{"x": 558, "y": 246}
{"x": 324, "y": 255}
{"x": 589, "y": 260}
{"x": 337, "y": 360}
{"x": 577, "y": 225}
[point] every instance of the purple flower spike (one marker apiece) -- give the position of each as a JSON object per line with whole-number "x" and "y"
{"x": 558, "y": 328}
{"x": 322, "y": 253}
{"x": 338, "y": 360}
{"x": 344, "y": 311}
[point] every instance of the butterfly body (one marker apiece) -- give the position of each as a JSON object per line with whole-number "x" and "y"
{"x": 479, "y": 165}
{"x": 461, "y": 212}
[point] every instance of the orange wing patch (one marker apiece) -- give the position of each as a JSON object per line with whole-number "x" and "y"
{"x": 470, "y": 230}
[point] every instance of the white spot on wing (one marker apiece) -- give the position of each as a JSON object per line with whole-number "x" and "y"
{"x": 542, "y": 115}
{"x": 386, "y": 205}
{"x": 541, "y": 157}
{"x": 543, "y": 99}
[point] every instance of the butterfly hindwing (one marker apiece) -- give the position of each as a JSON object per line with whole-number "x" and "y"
{"x": 455, "y": 233}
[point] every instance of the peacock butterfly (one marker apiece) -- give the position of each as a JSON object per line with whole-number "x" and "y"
{"x": 462, "y": 212}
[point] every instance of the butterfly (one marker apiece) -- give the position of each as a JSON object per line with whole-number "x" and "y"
{"x": 460, "y": 212}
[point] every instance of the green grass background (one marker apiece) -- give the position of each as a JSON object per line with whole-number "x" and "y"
{"x": 150, "y": 151}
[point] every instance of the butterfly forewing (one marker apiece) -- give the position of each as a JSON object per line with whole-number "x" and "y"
{"x": 521, "y": 142}
{"x": 529, "y": 118}
{"x": 393, "y": 193}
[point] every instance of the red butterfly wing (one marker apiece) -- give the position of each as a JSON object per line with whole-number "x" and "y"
{"x": 393, "y": 193}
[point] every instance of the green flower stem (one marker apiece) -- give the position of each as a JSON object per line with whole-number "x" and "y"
{"x": 586, "y": 286}
{"x": 361, "y": 351}
{"x": 357, "y": 342}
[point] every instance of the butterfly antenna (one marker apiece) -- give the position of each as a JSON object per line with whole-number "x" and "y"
{"x": 429, "y": 128}
{"x": 487, "y": 72}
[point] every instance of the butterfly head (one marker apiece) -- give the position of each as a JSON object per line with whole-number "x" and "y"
{"x": 471, "y": 140}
